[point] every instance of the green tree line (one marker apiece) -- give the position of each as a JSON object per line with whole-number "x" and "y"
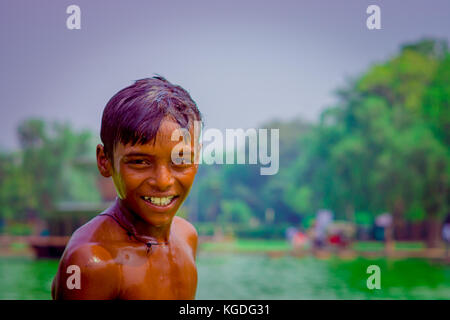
{"x": 384, "y": 147}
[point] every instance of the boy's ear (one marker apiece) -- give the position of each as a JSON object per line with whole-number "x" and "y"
{"x": 103, "y": 163}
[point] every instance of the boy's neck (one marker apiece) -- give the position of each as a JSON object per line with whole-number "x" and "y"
{"x": 140, "y": 227}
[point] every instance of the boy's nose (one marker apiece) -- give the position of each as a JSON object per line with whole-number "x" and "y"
{"x": 163, "y": 178}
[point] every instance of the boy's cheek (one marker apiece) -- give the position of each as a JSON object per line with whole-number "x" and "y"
{"x": 187, "y": 177}
{"x": 124, "y": 183}
{"x": 120, "y": 188}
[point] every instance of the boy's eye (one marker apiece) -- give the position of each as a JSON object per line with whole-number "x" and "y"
{"x": 138, "y": 162}
{"x": 182, "y": 158}
{"x": 180, "y": 161}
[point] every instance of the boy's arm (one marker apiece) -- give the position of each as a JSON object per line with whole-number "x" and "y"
{"x": 87, "y": 272}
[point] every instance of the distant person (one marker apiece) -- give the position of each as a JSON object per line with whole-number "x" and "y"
{"x": 138, "y": 248}
{"x": 299, "y": 240}
{"x": 323, "y": 220}
{"x": 385, "y": 221}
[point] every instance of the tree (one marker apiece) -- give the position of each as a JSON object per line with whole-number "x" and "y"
{"x": 43, "y": 173}
{"x": 380, "y": 148}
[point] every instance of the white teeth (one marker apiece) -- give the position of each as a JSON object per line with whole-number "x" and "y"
{"x": 164, "y": 201}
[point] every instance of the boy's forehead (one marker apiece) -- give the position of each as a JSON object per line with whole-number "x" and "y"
{"x": 162, "y": 141}
{"x": 166, "y": 130}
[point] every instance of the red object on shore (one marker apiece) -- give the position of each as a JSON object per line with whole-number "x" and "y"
{"x": 335, "y": 239}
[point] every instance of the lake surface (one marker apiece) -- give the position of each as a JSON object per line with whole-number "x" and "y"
{"x": 251, "y": 276}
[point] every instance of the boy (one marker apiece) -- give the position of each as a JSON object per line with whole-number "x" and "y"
{"x": 137, "y": 248}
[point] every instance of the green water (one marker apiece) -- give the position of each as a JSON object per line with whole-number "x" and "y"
{"x": 236, "y": 276}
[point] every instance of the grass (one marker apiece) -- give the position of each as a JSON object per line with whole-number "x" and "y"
{"x": 246, "y": 245}
{"x": 262, "y": 245}
{"x": 379, "y": 246}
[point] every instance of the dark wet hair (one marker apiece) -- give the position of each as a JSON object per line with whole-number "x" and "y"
{"x": 134, "y": 114}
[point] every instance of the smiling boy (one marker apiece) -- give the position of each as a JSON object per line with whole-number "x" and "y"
{"x": 138, "y": 248}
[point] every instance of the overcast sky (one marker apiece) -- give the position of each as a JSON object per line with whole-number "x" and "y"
{"x": 244, "y": 62}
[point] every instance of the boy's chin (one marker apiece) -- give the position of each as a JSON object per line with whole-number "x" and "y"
{"x": 158, "y": 217}
{"x": 159, "y": 220}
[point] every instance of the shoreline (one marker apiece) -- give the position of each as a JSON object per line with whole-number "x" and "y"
{"x": 29, "y": 246}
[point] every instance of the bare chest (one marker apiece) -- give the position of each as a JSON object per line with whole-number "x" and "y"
{"x": 165, "y": 272}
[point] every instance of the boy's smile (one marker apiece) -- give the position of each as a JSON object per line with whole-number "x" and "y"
{"x": 160, "y": 202}
{"x": 147, "y": 180}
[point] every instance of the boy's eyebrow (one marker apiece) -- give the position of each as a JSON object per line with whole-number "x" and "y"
{"x": 138, "y": 154}
{"x": 142, "y": 154}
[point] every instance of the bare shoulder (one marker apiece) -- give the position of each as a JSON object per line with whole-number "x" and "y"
{"x": 187, "y": 230}
{"x": 91, "y": 262}
{"x": 185, "y": 226}
{"x": 99, "y": 229}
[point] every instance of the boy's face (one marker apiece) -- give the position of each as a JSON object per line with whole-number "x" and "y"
{"x": 148, "y": 181}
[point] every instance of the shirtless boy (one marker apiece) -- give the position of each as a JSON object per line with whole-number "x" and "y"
{"x": 138, "y": 248}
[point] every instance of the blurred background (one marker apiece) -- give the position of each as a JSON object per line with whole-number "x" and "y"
{"x": 364, "y": 120}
